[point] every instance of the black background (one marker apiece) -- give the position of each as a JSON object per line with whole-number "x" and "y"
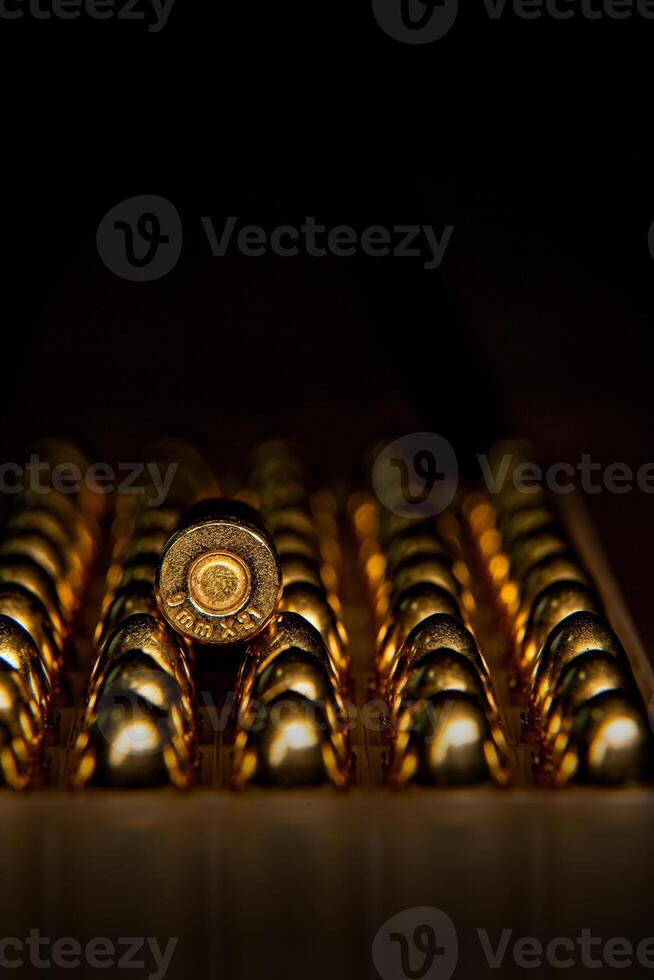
{"x": 537, "y": 322}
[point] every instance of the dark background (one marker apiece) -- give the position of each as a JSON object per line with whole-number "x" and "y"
{"x": 537, "y": 322}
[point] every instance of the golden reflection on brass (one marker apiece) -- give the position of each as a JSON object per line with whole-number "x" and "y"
{"x": 573, "y": 637}
{"x": 420, "y": 568}
{"x": 287, "y": 631}
{"x": 414, "y": 541}
{"x": 296, "y": 670}
{"x": 19, "y": 652}
{"x": 290, "y": 669}
{"x": 409, "y": 610}
{"x": 219, "y": 578}
{"x": 128, "y": 600}
{"x": 20, "y": 731}
{"x": 47, "y": 543}
{"x": 436, "y": 672}
{"x": 310, "y": 601}
{"x": 138, "y": 734}
{"x": 579, "y": 682}
{"x": 300, "y": 568}
{"x": 291, "y": 747}
{"x": 140, "y": 726}
{"x": 76, "y": 545}
{"x": 552, "y": 605}
{"x": 23, "y": 606}
{"x": 582, "y": 702}
{"x": 151, "y": 638}
{"x": 40, "y": 550}
{"x": 436, "y": 632}
{"x": 428, "y": 665}
{"x": 446, "y": 741}
{"x": 555, "y": 568}
{"x": 609, "y": 742}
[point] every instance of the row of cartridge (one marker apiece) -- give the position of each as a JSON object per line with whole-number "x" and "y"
{"x": 292, "y": 716}
{"x": 443, "y": 723}
{"x": 262, "y": 574}
{"x": 139, "y": 725}
{"x": 581, "y": 703}
{"x": 47, "y": 546}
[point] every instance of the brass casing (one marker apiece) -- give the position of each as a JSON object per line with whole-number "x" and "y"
{"x": 219, "y": 578}
{"x": 609, "y": 742}
{"x": 573, "y": 637}
{"x": 588, "y": 675}
{"x": 553, "y": 604}
{"x": 445, "y": 741}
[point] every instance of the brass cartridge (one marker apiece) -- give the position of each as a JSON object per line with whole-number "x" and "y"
{"x": 137, "y": 735}
{"x": 579, "y": 682}
{"x": 573, "y": 637}
{"x": 140, "y": 722}
{"x": 444, "y": 724}
{"x": 219, "y": 578}
{"x": 446, "y": 741}
{"x": 550, "y": 606}
{"x": 609, "y": 742}
{"x": 292, "y": 720}
{"x": 581, "y": 700}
